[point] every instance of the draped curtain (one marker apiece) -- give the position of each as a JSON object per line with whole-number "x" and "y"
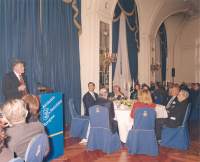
{"x": 129, "y": 9}
{"x": 44, "y": 34}
{"x": 163, "y": 48}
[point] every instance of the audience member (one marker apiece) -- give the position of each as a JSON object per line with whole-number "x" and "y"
{"x": 145, "y": 86}
{"x": 33, "y": 107}
{"x": 21, "y": 133}
{"x": 194, "y": 95}
{"x": 176, "y": 114}
{"x": 107, "y": 87}
{"x": 152, "y": 86}
{"x": 144, "y": 99}
{"x": 14, "y": 84}
{"x": 184, "y": 87}
{"x": 5, "y": 153}
{"x": 103, "y": 101}
{"x": 173, "y": 98}
{"x": 116, "y": 93}
{"x": 135, "y": 91}
{"x": 170, "y": 89}
{"x": 159, "y": 90}
{"x": 89, "y": 97}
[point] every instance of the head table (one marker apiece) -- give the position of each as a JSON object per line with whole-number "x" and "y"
{"x": 125, "y": 122}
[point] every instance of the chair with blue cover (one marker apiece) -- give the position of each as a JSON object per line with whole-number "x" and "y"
{"x": 100, "y": 136}
{"x": 177, "y": 137}
{"x": 195, "y": 110}
{"x": 142, "y": 138}
{"x": 35, "y": 151}
{"x": 79, "y": 124}
{"x": 158, "y": 99}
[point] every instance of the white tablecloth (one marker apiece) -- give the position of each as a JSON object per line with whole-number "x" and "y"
{"x": 125, "y": 122}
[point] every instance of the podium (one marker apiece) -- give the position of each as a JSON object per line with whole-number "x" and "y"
{"x": 52, "y": 119}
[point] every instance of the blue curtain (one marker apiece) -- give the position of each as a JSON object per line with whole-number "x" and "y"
{"x": 163, "y": 47}
{"x": 50, "y": 49}
{"x": 129, "y": 8}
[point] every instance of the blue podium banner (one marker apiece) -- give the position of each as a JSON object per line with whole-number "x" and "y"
{"x": 52, "y": 119}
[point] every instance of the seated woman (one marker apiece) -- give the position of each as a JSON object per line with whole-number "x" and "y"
{"x": 5, "y": 153}
{"x": 144, "y": 99}
{"x": 33, "y": 107}
{"x": 20, "y": 133}
{"x": 135, "y": 92}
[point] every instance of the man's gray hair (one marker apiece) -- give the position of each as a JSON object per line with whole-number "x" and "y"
{"x": 15, "y": 62}
{"x": 103, "y": 92}
{"x": 185, "y": 93}
{"x": 14, "y": 110}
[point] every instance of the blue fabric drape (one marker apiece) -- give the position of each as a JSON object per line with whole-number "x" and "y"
{"x": 132, "y": 30}
{"x": 163, "y": 45}
{"x": 51, "y": 54}
{"x": 115, "y": 41}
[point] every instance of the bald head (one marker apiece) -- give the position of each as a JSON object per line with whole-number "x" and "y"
{"x": 103, "y": 93}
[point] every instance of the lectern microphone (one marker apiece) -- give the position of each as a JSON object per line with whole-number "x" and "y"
{"x": 44, "y": 88}
{"x": 42, "y": 84}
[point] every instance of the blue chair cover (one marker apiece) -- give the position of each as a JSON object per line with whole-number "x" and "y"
{"x": 158, "y": 99}
{"x": 142, "y": 138}
{"x": 79, "y": 124}
{"x": 100, "y": 136}
{"x": 17, "y": 160}
{"x": 36, "y": 149}
{"x": 177, "y": 137}
{"x": 195, "y": 110}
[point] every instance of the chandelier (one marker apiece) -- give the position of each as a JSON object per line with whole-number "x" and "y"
{"x": 106, "y": 59}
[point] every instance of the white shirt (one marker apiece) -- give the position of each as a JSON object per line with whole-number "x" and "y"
{"x": 17, "y": 75}
{"x": 92, "y": 93}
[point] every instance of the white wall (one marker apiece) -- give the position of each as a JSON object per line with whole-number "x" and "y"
{"x": 187, "y": 54}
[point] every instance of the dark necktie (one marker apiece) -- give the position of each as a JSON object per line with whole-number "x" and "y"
{"x": 22, "y": 83}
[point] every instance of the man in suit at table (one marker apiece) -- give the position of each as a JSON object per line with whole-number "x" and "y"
{"x": 173, "y": 98}
{"x": 14, "y": 84}
{"x": 116, "y": 93}
{"x": 89, "y": 97}
{"x": 103, "y": 101}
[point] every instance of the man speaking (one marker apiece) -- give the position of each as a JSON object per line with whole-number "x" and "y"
{"x": 14, "y": 84}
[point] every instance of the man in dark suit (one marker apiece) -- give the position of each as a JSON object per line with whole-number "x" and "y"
{"x": 89, "y": 97}
{"x": 103, "y": 101}
{"x": 159, "y": 90}
{"x": 116, "y": 93}
{"x": 194, "y": 95}
{"x": 173, "y": 98}
{"x": 14, "y": 84}
{"x": 176, "y": 114}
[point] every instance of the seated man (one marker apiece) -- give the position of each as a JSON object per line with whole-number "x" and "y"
{"x": 89, "y": 97}
{"x": 20, "y": 133}
{"x": 116, "y": 93}
{"x": 173, "y": 98}
{"x": 176, "y": 114}
{"x": 159, "y": 90}
{"x": 103, "y": 101}
{"x": 194, "y": 95}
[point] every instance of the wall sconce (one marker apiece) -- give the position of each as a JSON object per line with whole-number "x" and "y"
{"x": 155, "y": 66}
